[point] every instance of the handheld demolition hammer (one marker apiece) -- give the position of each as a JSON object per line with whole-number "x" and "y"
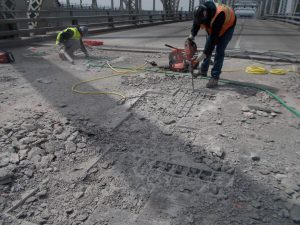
{"x": 184, "y": 60}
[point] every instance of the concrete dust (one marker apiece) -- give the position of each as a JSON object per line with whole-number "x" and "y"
{"x": 167, "y": 156}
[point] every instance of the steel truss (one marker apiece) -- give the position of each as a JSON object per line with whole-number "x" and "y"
{"x": 33, "y": 7}
{"x": 8, "y": 5}
{"x": 133, "y": 6}
{"x": 170, "y": 6}
{"x": 191, "y": 6}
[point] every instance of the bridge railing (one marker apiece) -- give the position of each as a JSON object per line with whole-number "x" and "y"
{"x": 51, "y": 21}
{"x": 293, "y": 19}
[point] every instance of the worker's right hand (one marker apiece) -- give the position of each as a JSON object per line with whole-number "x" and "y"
{"x": 200, "y": 57}
{"x": 191, "y": 37}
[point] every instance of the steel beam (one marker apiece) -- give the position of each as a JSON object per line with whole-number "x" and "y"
{"x": 94, "y": 4}
{"x": 122, "y": 3}
{"x": 8, "y": 5}
{"x": 191, "y": 6}
{"x": 272, "y": 7}
{"x": 265, "y": 7}
{"x": 167, "y": 6}
{"x": 11, "y": 7}
{"x": 133, "y": 6}
{"x": 297, "y": 2}
{"x": 34, "y": 5}
{"x": 170, "y": 6}
{"x": 262, "y": 5}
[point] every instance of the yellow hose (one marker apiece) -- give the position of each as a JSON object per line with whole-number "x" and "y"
{"x": 96, "y": 92}
{"x": 256, "y": 70}
{"x": 279, "y": 71}
{"x": 117, "y": 73}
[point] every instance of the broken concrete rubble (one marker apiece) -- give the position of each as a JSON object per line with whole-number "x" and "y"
{"x": 6, "y": 176}
{"x": 295, "y": 212}
{"x": 175, "y": 156}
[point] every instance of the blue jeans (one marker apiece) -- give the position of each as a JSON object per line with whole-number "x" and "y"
{"x": 219, "y": 56}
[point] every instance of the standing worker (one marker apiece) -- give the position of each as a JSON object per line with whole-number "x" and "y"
{"x": 70, "y": 40}
{"x": 219, "y": 22}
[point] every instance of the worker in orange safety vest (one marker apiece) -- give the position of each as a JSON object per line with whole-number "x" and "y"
{"x": 219, "y": 21}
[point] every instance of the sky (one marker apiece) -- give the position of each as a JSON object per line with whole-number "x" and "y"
{"x": 146, "y": 4}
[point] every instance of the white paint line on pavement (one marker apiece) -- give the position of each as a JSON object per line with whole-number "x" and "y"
{"x": 237, "y": 44}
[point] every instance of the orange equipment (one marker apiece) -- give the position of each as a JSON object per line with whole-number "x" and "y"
{"x": 6, "y": 57}
{"x": 179, "y": 59}
{"x": 92, "y": 42}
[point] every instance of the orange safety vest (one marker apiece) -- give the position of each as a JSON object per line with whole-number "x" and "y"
{"x": 229, "y": 19}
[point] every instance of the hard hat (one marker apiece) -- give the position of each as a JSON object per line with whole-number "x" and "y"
{"x": 83, "y": 30}
{"x": 199, "y": 16}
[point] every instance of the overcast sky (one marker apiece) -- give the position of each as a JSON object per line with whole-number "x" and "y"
{"x": 146, "y": 4}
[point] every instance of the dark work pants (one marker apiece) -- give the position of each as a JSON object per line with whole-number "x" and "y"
{"x": 219, "y": 56}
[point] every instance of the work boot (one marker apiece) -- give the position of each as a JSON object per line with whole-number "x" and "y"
{"x": 62, "y": 56}
{"x": 212, "y": 83}
{"x": 200, "y": 73}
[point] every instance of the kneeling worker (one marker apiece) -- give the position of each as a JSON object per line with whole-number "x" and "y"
{"x": 219, "y": 22}
{"x": 70, "y": 40}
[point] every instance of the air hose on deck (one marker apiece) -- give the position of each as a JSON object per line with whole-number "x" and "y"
{"x": 270, "y": 93}
{"x": 118, "y": 71}
{"x": 257, "y": 69}
{"x": 121, "y": 70}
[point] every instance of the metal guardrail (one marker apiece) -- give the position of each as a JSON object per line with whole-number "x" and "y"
{"x": 82, "y": 6}
{"x": 53, "y": 23}
{"x": 285, "y": 18}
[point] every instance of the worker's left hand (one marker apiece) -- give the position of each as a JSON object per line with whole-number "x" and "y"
{"x": 201, "y": 57}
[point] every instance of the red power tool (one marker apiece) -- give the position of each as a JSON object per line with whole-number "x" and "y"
{"x": 180, "y": 59}
{"x": 6, "y": 57}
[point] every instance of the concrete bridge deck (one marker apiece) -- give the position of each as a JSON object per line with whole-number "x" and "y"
{"x": 250, "y": 34}
{"x": 167, "y": 155}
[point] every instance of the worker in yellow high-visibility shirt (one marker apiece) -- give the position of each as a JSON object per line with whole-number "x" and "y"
{"x": 70, "y": 40}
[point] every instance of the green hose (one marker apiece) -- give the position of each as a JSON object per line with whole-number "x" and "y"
{"x": 276, "y": 97}
{"x": 237, "y": 83}
{"x": 241, "y": 84}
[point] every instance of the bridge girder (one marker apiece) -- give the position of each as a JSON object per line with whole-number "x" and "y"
{"x": 34, "y": 5}
{"x": 191, "y": 6}
{"x": 8, "y": 5}
{"x": 94, "y": 4}
{"x": 131, "y": 5}
{"x": 170, "y": 6}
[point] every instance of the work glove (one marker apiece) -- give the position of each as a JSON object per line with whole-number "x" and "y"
{"x": 191, "y": 37}
{"x": 200, "y": 57}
